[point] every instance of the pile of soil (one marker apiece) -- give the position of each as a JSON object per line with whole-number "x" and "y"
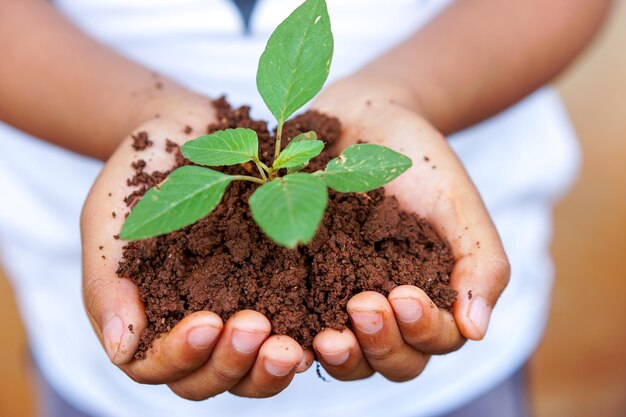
{"x": 224, "y": 262}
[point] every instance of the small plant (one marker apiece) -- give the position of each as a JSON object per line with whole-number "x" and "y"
{"x": 288, "y": 208}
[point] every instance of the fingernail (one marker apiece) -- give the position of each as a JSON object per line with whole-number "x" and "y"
{"x": 304, "y": 364}
{"x": 479, "y": 314}
{"x": 247, "y": 341}
{"x": 407, "y": 310}
{"x": 277, "y": 368}
{"x": 367, "y": 321}
{"x": 335, "y": 358}
{"x": 203, "y": 336}
{"x": 112, "y": 334}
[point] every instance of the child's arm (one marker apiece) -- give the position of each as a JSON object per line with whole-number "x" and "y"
{"x": 473, "y": 60}
{"x": 58, "y": 84}
{"x": 479, "y": 57}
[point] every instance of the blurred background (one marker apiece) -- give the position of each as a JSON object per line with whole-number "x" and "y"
{"x": 580, "y": 368}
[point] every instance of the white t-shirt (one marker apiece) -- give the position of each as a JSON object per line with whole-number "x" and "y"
{"x": 520, "y": 160}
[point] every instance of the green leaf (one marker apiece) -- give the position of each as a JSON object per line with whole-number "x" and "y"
{"x": 289, "y": 209}
{"x": 294, "y": 169}
{"x": 362, "y": 168}
{"x": 224, "y": 147}
{"x": 184, "y": 197}
{"x": 296, "y": 60}
{"x": 298, "y": 153}
{"x": 304, "y": 136}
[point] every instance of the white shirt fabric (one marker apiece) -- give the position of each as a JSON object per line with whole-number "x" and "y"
{"x": 520, "y": 160}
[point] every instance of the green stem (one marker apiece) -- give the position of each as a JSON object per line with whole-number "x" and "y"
{"x": 265, "y": 167}
{"x": 248, "y": 178}
{"x": 261, "y": 169}
{"x": 279, "y": 134}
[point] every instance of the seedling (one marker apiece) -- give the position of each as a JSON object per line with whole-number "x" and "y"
{"x": 288, "y": 205}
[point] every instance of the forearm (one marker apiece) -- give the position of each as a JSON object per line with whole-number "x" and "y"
{"x": 480, "y": 56}
{"x": 58, "y": 84}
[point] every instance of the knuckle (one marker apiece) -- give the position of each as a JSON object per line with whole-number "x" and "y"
{"x": 268, "y": 390}
{"x": 224, "y": 377}
{"x": 175, "y": 361}
{"x": 451, "y": 346}
{"x": 501, "y": 269}
{"x": 353, "y": 374}
{"x": 184, "y": 390}
{"x": 92, "y": 290}
{"x": 341, "y": 372}
{"x": 255, "y": 390}
{"x": 379, "y": 352}
{"x": 421, "y": 341}
{"x": 407, "y": 370}
{"x": 497, "y": 271}
{"x": 447, "y": 347}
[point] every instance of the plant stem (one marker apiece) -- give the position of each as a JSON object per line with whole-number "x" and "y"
{"x": 265, "y": 167}
{"x": 261, "y": 171}
{"x": 249, "y": 178}
{"x": 279, "y": 134}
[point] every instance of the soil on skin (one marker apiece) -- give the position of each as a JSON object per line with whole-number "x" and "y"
{"x": 224, "y": 263}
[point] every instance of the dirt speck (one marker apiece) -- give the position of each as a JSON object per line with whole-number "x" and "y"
{"x": 141, "y": 141}
{"x": 170, "y": 146}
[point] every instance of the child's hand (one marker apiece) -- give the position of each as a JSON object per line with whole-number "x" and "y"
{"x": 396, "y": 335}
{"x": 201, "y": 356}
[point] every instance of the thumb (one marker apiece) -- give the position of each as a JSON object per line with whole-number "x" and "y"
{"x": 116, "y": 314}
{"x": 479, "y": 279}
{"x": 113, "y": 304}
{"x": 481, "y": 270}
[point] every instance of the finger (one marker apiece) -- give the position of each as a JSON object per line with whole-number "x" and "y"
{"x": 273, "y": 370}
{"x": 340, "y": 354}
{"x": 231, "y": 359}
{"x": 185, "y": 348}
{"x": 375, "y": 328}
{"x": 422, "y": 325}
{"x": 307, "y": 360}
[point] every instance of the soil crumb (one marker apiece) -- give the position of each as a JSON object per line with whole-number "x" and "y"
{"x": 170, "y": 146}
{"x": 224, "y": 263}
{"x": 141, "y": 141}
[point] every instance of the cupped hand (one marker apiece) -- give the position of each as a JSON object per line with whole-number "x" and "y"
{"x": 201, "y": 356}
{"x": 395, "y": 335}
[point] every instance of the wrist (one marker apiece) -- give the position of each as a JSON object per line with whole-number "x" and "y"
{"x": 360, "y": 92}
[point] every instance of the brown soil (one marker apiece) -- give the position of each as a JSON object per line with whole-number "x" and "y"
{"x": 224, "y": 263}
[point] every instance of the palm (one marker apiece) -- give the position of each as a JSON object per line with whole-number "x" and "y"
{"x": 437, "y": 188}
{"x": 103, "y": 217}
{"x": 201, "y": 356}
{"x": 436, "y": 172}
